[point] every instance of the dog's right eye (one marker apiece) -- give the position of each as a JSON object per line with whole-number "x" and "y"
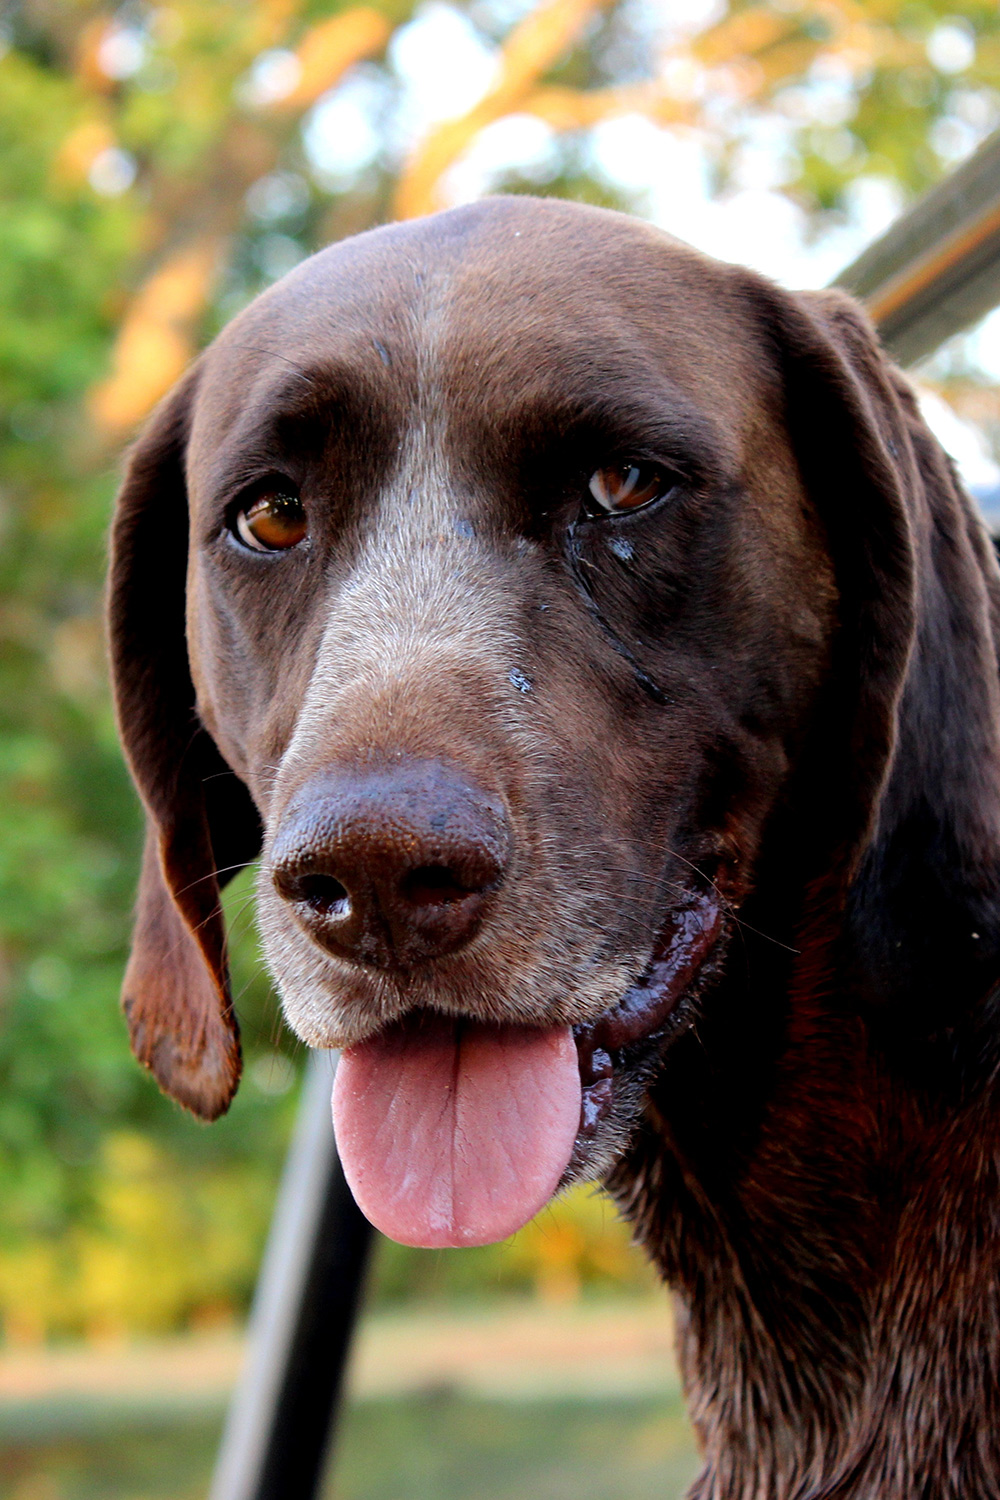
{"x": 273, "y": 522}
{"x": 628, "y": 486}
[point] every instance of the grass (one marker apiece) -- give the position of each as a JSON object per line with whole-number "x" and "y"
{"x": 111, "y": 1455}
{"x": 437, "y": 1445}
{"x": 443, "y": 1447}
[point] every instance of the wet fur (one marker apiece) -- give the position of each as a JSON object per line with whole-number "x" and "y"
{"x": 785, "y": 683}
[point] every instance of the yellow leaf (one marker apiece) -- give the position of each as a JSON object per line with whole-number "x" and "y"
{"x": 573, "y": 109}
{"x": 329, "y": 49}
{"x": 539, "y": 42}
{"x": 742, "y": 35}
{"x": 787, "y": 60}
{"x": 80, "y": 148}
{"x": 532, "y": 48}
{"x": 87, "y": 56}
{"x": 416, "y": 191}
{"x": 155, "y": 342}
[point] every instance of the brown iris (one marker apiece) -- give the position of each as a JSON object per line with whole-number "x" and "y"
{"x": 273, "y": 522}
{"x": 627, "y": 486}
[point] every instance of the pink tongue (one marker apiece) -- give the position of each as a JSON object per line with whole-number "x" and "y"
{"x": 456, "y": 1133}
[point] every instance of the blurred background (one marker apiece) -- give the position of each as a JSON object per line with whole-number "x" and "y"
{"x": 159, "y": 165}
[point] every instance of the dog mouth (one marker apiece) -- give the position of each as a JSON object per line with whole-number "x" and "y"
{"x": 455, "y": 1132}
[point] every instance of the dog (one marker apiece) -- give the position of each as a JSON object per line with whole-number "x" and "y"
{"x": 601, "y": 655}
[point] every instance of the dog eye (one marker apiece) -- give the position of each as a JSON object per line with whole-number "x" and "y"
{"x": 274, "y": 522}
{"x": 629, "y": 486}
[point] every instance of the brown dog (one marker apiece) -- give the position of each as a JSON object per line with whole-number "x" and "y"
{"x": 605, "y": 654}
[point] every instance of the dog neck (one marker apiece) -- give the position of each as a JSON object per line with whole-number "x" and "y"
{"x": 825, "y": 1205}
{"x": 818, "y": 1175}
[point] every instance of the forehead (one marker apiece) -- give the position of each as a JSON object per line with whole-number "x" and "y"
{"x": 496, "y": 309}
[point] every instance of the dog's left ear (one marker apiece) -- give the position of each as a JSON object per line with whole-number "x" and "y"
{"x": 201, "y": 824}
{"x": 923, "y": 907}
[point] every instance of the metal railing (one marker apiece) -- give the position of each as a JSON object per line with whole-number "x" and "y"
{"x": 934, "y": 272}
{"x": 283, "y": 1412}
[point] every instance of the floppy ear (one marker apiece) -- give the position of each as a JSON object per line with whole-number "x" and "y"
{"x": 918, "y": 794}
{"x": 201, "y": 824}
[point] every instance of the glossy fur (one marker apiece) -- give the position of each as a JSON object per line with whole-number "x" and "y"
{"x": 780, "y": 683}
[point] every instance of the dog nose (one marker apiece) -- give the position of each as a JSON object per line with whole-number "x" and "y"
{"x": 391, "y": 866}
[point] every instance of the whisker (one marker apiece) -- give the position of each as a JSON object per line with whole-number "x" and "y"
{"x": 273, "y": 354}
{"x": 243, "y": 864}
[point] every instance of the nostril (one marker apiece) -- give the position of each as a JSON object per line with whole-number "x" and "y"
{"x": 392, "y": 866}
{"x": 432, "y": 885}
{"x": 324, "y": 894}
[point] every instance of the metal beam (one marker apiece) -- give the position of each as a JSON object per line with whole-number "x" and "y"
{"x": 281, "y": 1418}
{"x": 936, "y": 270}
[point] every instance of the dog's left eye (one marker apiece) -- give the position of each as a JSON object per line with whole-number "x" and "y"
{"x": 629, "y": 486}
{"x": 274, "y": 522}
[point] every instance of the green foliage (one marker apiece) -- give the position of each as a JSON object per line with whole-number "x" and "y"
{"x": 577, "y": 1245}
{"x": 66, "y": 816}
{"x": 902, "y": 117}
{"x": 60, "y": 248}
{"x": 72, "y": 1102}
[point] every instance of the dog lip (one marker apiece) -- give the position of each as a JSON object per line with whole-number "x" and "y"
{"x": 691, "y": 930}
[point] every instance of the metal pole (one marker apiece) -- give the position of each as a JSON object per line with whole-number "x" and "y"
{"x": 281, "y": 1419}
{"x": 936, "y": 270}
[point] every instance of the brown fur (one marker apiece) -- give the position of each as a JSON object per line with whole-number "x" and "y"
{"x": 781, "y": 685}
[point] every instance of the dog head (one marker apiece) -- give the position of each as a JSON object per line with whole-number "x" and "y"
{"x": 508, "y": 577}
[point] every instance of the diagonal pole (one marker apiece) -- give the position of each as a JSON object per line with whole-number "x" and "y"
{"x": 936, "y": 269}
{"x": 282, "y": 1415}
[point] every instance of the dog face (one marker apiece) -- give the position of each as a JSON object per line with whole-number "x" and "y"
{"x": 605, "y": 677}
{"x": 508, "y": 546}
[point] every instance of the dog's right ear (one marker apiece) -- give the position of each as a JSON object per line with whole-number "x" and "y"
{"x": 904, "y": 801}
{"x": 201, "y": 824}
